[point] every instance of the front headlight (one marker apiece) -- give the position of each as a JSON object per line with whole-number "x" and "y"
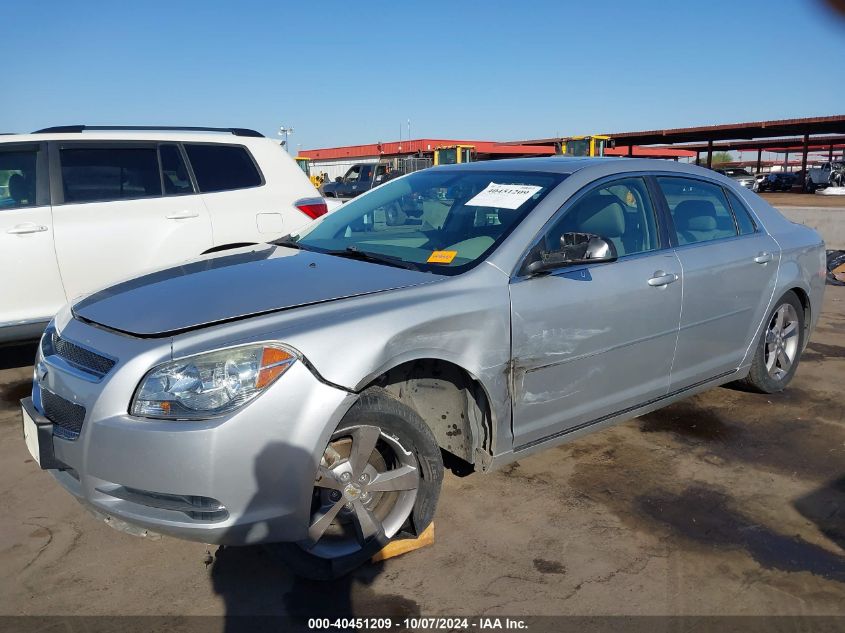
{"x": 211, "y": 384}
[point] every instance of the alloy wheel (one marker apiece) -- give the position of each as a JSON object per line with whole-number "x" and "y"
{"x": 782, "y": 338}
{"x": 365, "y": 488}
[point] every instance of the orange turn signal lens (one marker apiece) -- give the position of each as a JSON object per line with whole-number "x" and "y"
{"x": 274, "y": 362}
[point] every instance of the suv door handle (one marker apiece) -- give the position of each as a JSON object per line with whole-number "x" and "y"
{"x": 661, "y": 278}
{"x": 183, "y": 215}
{"x": 763, "y": 258}
{"x": 23, "y": 229}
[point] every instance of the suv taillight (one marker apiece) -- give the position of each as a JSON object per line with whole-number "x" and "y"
{"x": 312, "y": 207}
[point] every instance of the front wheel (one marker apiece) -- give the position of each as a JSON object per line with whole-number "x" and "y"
{"x": 778, "y": 351}
{"x": 379, "y": 477}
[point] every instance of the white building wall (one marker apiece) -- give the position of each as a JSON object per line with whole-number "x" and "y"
{"x": 335, "y": 167}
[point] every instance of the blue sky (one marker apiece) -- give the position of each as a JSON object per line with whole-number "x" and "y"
{"x": 352, "y": 72}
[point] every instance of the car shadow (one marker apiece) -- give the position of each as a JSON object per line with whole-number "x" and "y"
{"x": 825, "y": 507}
{"x": 261, "y": 593}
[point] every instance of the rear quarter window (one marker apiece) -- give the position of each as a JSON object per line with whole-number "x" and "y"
{"x": 743, "y": 218}
{"x": 222, "y": 167}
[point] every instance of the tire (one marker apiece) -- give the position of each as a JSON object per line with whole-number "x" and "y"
{"x": 810, "y": 186}
{"x": 835, "y": 260}
{"x": 402, "y": 442}
{"x": 782, "y": 330}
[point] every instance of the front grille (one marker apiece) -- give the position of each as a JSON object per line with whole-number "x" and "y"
{"x": 81, "y": 358}
{"x": 66, "y": 416}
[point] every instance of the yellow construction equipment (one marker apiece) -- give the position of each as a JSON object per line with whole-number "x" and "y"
{"x": 454, "y": 154}
{"x": 305, "y": 165}
{"x": 593, "y": 145}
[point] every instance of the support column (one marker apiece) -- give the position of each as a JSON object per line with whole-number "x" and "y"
{"x": 830, "y": 154}
{"x": 804, "y": 150}
{"x": 697, "y": 157}
{"x": 759, "y": 160}
{"x": 710, "y": 154}
{"x": 630, "y": 151}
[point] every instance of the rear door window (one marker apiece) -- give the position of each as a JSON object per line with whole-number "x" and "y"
{"x": 17, "y": 178}
{"x": 109, "y": 173}
{"x": 699, "y": 209}
{"x": 222, "y": 167}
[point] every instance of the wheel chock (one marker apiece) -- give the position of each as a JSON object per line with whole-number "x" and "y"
{"x": 405, "y": 545}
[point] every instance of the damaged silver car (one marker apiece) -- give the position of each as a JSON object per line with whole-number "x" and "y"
{"x": 308, "y": 392}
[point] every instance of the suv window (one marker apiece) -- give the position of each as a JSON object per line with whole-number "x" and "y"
{"x": 699, "y": 210}
{"x": 620, "y": 211}
{"x": 743, "y": 218}
{"x": 381, "y": 174}
{"x": 17, "y": 178}
{"x": 109, "y": 173}
{"x": 222, "y": 167}
{"x": 366, "y": 173}
{"x": 174, "y": 173}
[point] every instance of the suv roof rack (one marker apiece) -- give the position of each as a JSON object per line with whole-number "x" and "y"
{"x": 73, "y": 129}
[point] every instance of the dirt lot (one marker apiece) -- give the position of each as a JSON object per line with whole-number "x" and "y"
{"x": 783, "y": 199}
{"x": 729, "y": 503}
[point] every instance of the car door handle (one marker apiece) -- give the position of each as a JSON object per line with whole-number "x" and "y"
{"x": 23, "y": 229}
{"x": 763, "y": 258}
{"x": 661, "y": 278}
{"x": 183, "y": 215}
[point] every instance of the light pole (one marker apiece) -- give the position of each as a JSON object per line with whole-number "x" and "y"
{"x": 285, "y": 131}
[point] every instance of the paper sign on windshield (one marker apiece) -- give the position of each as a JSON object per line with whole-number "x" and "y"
{"x": 503, "y": 196}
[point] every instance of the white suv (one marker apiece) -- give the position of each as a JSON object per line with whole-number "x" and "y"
{"x": 82, "y": 207}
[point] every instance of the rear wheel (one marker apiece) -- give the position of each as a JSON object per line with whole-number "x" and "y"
{"x": 778, "y": 351}
{"x": 379, "y": 477}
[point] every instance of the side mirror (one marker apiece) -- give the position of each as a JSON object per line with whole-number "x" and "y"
{"x": 574, "y": 249}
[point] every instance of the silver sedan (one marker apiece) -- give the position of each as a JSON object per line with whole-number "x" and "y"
{"x": 306, "y": 392}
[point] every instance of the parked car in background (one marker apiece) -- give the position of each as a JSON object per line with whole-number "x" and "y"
{"x": 83, "y": 207}
{"x": 302, "y": 392}
{"x": 358, "y": 179}
{"x": 828, "y": 175}
{"x": 774, "y": 181}
{"x": 743, "y": 177}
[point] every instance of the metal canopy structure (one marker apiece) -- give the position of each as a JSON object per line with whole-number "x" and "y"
{"x": 782, "y": 134}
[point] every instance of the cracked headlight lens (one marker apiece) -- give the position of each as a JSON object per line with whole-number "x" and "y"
{"x": 210, "y": 384}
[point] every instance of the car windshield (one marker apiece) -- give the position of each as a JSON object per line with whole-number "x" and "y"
{"x": 736, "y": 172}
{"x": 437, "y": 220}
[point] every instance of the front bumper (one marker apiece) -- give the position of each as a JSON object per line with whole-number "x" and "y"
{"x": 242, "y": 479}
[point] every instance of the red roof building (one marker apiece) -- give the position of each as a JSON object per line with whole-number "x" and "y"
{"x": 483, "y": 149}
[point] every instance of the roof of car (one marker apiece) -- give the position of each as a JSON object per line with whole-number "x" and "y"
{"x": 134, "y": 135}
{"x": 550, "y": 164}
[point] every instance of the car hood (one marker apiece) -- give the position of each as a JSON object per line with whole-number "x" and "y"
{"x": 237, "y": 285}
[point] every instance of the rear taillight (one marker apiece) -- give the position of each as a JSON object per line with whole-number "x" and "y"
{"x": 312, "y": 207}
